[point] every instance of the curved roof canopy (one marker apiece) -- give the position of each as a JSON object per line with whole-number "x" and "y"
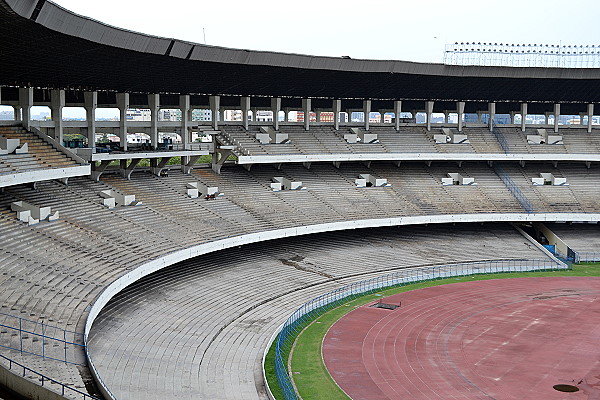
{"x": 46, "y": 46}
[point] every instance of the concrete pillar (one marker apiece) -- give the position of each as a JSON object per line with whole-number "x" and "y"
{"x": 590, "y": 113}
{"x": 556, "y": 116}
{"x": 91, "y": 103}
{"x": 382, "y": 117}
{"x": 337, "y": 106}
{"x": 492, "y": 114}
{"x": 25, "y": 102}
{"x": 154, "y": 106}
{"x": 428, "y": 112}
{"x": 547, "y": 116}
{"x": 366, "y": 112}
{"x": 215, "y": 105}
{"x": 460, "y": 110}
{"x": 184, "y": 106}
{"x": 276, "y": 107}
{"x": 16, "y": 113}
{"x": 397, "y": 112}
{"x": 446, "y": 116}
{"x": 245, "y": 106}
{"x": 523, "y": 116}
{"x": 306, "y": 106}
{"x": 286, "y": 116}
{"x": 57, "y": 103}
{"x": 318, "y": 115}
{"x": 123, "y": 105}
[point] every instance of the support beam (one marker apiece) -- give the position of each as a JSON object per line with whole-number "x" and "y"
{"x": 25, "y": 102}
{"x": 123, "y": 105}
{"x": 397, "y": 112}
{"x": 91, "y": 103}
{"x": 186, "y": 120}
{"x": 366, "y": 112}
{"x": 157, "y": 167}
{"x": 57, "y": 102}
{"x": 492, "y": 115}
{"x": 187, "y": 167}
{"x": 97, "y": 170}
{"x": 17, "y": 113}
{"x": 460, "y": 109}
{"x": 337, "y": 107}
{"x": 556, "y": 116}
{"x": 154, "y": 106}
{"x": 126, "y": 170}
{"x": 215, "y": 105}
{"x": 306, "y": 107}
{"x": 428, "y": 112}
{"x": 275, "y": 107}
{"x": 245, "y": 106}
{"x": 523, "y": 116}
{"x": 590, "y": 114}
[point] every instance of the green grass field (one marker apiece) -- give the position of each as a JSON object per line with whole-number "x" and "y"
{"x": 308, "y": 370}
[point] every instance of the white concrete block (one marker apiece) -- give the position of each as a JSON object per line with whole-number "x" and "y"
{"x": 537, "y": 181}
{"x": 535, "y": 139}
{"x": 360, "y": 182}
{"x": 447, "y": 181}
{"x": 441, "y": 139}
{"x": 263, "y": 138}
{"x": 276, "y": 186}
{"x": 350, "y": 138}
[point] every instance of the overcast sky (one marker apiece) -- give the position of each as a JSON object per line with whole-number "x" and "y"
{"x": 377, "y": 29}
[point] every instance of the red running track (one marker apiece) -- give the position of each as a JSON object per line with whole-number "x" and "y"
{"x": 496, "y": 339}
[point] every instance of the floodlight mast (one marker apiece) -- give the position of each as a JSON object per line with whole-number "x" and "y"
{"x": 522, "y": 55}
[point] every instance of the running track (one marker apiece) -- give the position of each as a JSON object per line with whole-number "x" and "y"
{"x": 496, "y": 339}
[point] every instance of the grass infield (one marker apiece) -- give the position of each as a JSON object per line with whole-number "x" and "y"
{"x": 308, "y": 370}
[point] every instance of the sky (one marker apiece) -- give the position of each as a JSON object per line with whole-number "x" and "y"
{"x": 376, "y": 29}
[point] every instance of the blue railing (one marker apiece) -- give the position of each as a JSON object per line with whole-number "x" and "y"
{"x": 514, "y": 189}
{"x": 318, "y": 306}
{"x": 500, "y": 138}
{"x": 43, "y": 340}
{"x": 63, "y": 389}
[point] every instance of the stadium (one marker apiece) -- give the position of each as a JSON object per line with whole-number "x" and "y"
{"x": 161, "y": 254}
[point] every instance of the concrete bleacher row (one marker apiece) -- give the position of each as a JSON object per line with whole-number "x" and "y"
{"x": 324, "y": 139}
{"x": 198, "y": 329}
{"x": 41, "y": 161}
{"x": 54, "y": 271}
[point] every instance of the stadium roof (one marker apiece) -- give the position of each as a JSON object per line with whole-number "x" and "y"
{"x": 43, "y": 45}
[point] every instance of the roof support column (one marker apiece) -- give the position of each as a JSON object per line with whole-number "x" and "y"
{"x": 523, "y": 116}
{"x": 245, "y": 106}
{"x": 123, "y": 106}
{"x": 460, "y": 109}
{"x": 306, "y": 105}
{"x": 397, "y": 112}
{"x": 366, "y": 112}
{"x": 57, "y": 101}
{"x": 428, "y": 112}
{"x": 318, "y": 115}
{"x": 91, "y": 103}
{"x": 337, "y": 106}
{"x": 286, "y": 116}
{"x": 276, "y": 107}
{"x": 25, "y": 102}
{"x": 590, "y": 113}
{"x": 154, "y": 106}
{"x": 184, "y": 105}
{"x": 492, "y": 115}
{"x": 556, "y": 116}
{"x": 215, "y": 105}
{"x": 16, "y": 113}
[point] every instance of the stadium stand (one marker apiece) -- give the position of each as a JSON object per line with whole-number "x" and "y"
{"x": 198, "y": 319}
{"x": 202, "y": 325}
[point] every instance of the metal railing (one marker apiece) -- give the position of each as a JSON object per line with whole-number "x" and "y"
{"x": 43, "y": 340}
{"x": 514, "y": 189}
{"x": 318, "y": 306}
{"x": 587, "y": 256}
{"x": 500, "y": 138}
{"x": 64, "y": 389}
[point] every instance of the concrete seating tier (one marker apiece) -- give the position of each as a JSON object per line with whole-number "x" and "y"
{"x": 40, "y": 154}
{"x": 198, "y": 329}
{"x": 54, "y": 271}
{"x": 579, "y": 237}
